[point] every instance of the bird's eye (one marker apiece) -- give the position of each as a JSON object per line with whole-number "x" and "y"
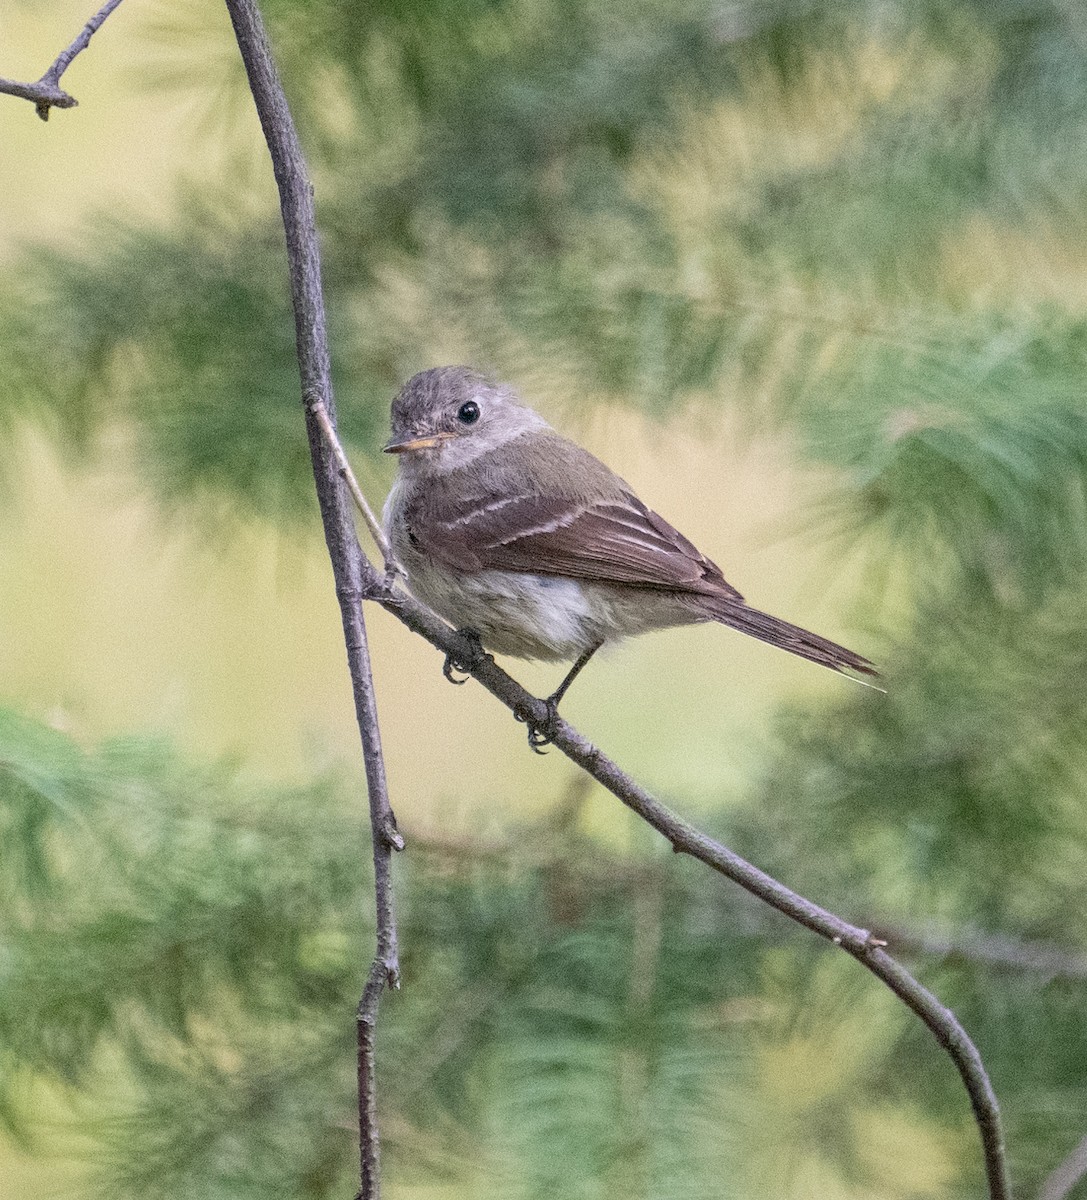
{"x": 468, "y": 413}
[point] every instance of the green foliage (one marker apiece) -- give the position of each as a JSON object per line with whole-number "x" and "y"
{"x": 954, "y": 803}
{"x": 190, "y": 342}
{"x": 581, "y": 1024}
{"x": 572, "y": 1019}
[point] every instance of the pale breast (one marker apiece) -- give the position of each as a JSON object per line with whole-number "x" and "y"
{"x": 527, "y": 616}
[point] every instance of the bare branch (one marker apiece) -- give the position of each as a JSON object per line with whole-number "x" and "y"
{"x": 43, "y": 95}
{"x": 1064, "y": 1177}
{"x": 361, "y": 503}
{"x": 352, "y": 573}
{"x": 356, "y": 579}
{"x": 47, "y": 92}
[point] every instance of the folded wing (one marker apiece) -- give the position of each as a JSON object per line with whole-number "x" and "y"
{"x": 616, "y": 540}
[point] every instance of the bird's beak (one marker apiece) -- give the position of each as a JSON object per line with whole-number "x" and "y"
{"x": 419, "y": 443}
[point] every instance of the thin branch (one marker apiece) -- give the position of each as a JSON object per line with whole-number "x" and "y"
{"x": 357, "y": 579}
{"x": 353, "y": 574}
{"x": 361, "y": 503}
{"x": 47, "y": 92}
{"x": 1064, "y": 1177}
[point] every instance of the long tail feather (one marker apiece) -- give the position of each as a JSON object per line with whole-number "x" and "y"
{"x": 790, "y": 637}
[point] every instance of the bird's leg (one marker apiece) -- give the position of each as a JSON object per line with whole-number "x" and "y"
{"x": 475, "y": 657}
{"x": 544, "y": 734}
{"x": 553, "y": 700}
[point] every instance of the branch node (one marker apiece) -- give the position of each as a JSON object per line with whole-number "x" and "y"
{"x": 47, "y": 92}
{"x": 60, "y": 99}
{"x": 380, "y": 592}
{"x": 384, "y": 972}
{"x": 350, "y": 595}
{"x": 394, "y": 839}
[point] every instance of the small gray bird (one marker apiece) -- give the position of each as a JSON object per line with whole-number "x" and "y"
{"x": 532, "y": 547}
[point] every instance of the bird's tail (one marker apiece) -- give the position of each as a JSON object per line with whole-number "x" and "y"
{"x": 789, "y": 637}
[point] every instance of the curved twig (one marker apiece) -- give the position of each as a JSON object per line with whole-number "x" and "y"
{"x": 328, "y": 428}
{"x": 47, "y": 92}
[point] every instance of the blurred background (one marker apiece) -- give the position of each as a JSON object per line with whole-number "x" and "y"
{"x": 810, "y": 274}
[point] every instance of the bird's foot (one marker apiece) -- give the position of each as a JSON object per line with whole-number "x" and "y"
{"x": 541, "y": 733}
{"x": 466, "y": 663}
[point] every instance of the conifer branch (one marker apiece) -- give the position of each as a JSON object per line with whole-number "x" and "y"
{"x": 47, "y": 93}
{"x": 357, "y": 579}
{"x": 350, "y": 568}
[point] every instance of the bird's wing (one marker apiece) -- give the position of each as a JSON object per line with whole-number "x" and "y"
{"x": 616, "y": 539}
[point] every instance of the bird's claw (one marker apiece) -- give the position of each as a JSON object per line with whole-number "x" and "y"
{"x": 541, "y": 733}
{"x": 450, "y": 665}
{"x": 466, "y": 665}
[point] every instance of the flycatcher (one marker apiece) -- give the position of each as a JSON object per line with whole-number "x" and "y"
{"x": 532, "y": 547}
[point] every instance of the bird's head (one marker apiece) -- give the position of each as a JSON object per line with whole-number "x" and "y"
{"x": 449, "y": 415}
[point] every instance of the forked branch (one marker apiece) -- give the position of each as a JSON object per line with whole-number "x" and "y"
{"x": 47, "y": 93}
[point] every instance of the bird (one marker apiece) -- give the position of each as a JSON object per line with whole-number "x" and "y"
{"x": 532, "y": 547}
